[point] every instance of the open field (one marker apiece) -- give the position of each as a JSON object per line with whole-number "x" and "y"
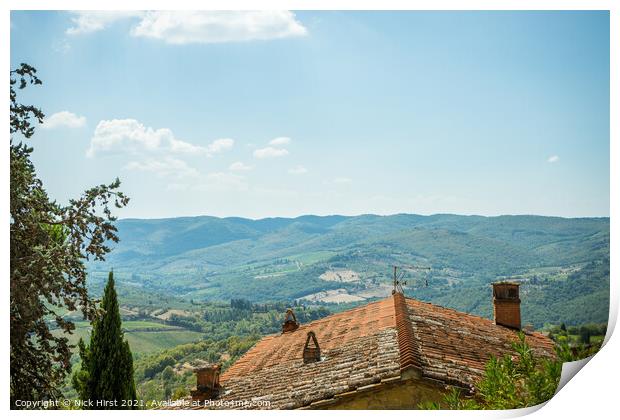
{"x": 143, "y": 336}
{"x": 346, "y": 276}
{"x": 333, "y": 296}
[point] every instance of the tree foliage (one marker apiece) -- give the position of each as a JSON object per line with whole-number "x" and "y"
{"x": 576, "y": 342}
{"x": 48, "y": 245}
{"x": 509, "y": 382}
{"x": 106, "y": 373}
{"x": 162, "y": 375}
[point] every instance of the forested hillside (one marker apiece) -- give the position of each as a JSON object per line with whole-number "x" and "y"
{"x": 563, "y": 263}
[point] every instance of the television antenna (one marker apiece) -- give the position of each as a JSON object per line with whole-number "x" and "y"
{"x": 399, "y": 273}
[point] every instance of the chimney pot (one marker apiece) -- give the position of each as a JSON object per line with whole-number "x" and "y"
{"x": 207, "y": 382}
{"x": 290, "y": 322}
{"x": 506, "y": 304}
{"x": 312, "y": 351}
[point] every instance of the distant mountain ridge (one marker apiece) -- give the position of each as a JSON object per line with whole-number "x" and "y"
{"x": 283, "y": 258}
{"x": 174, "y": 236}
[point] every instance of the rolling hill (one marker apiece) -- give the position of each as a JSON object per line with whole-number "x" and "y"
{"x": 208, "y": 258}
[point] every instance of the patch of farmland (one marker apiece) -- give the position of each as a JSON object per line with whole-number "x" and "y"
{"x": 333, "y": 296}
{"x": 346, "y": 276}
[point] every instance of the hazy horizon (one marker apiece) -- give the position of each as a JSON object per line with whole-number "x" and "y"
{"x": 359, "y": 215}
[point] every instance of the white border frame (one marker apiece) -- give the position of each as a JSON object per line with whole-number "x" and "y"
{"x": 591, "y": 394}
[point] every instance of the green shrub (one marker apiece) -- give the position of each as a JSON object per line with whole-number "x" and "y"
{"x": 509, "y": 382}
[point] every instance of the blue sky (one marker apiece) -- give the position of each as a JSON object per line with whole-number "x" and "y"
{"x": 283, "y": 114}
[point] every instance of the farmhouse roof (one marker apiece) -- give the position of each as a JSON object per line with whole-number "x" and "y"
{"x": 368, "y": 346}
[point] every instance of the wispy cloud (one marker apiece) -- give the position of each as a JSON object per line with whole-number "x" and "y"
{"x": 61, "y": 46}
{"x": 185, "y": 27}
{"x": 553, "y": 159}
{"x": 63, "y": 119}
{"x": 220, "y": 145}
{"x": 298, "y": 170}
{"x": 129, "y": 136}
{"x": 216, "y": 146}
{"x": 88, "y": 21}
{"x": 280, "y": 141}
{"x": 269, "y": 152}
{"x": 223, "y": 181}
{"x": 342, "y": 180}
{"x": 239, "y": 166}
{"x": 165, "y": 168}
{"x": 215, "y": 181}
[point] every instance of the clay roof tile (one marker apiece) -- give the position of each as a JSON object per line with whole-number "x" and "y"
{"x": 367, "y": 345}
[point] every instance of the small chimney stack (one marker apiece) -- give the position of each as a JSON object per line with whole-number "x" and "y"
{"x": 207, "y": 382}
{"x": 506, "y": 304}
{"x": 290, "y": 322}
{"x": 312, "y": 351}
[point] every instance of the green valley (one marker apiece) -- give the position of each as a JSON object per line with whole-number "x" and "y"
{"x": 563, "y": 264}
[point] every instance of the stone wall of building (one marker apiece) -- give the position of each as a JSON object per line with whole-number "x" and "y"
{"x": 404, "y": 394}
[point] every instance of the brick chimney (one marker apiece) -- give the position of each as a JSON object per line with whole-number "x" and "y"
{"x": 312, "y": 351}
{"x": 290, "y": 322}
{"x": 506, "y": 304}
{"x": 207, "y": 382}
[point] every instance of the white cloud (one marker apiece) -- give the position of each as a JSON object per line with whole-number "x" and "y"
{"x": 129, "y": 136}
{"x": 87, "y": 21}
{"x": 239, "y": 166}
{"x": 206, "y": 27}
{"x": 279, "y": 141}
{"x": 217, "y": 146}
{"x": 63, "y": 119}
{"x": 269, "y": 152}
{"x": 298, "y": 170}
{"x": 165, "y": 168}
{"x": 175, "y": 169}
{"x": 553, "y": 159}
{"x": 220, "y": 145}
{"x": 180, "y": 146}
{"x": 184, "y": 27}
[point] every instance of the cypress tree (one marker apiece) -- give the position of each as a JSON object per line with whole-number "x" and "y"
{"x": 107, "y": 364}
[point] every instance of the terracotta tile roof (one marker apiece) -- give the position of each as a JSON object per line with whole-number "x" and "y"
{"x": 454, "y": 347}
{"x": 331, "y": 332}
{"x": 407, "y": 345}
{"x": 367, "y": 345}
{"x": 292, "y": 383}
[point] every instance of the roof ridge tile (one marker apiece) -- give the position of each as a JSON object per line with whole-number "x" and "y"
{"x": 410, "y": 354}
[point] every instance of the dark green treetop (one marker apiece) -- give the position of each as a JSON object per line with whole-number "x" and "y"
{"x": 106, "y": 372}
